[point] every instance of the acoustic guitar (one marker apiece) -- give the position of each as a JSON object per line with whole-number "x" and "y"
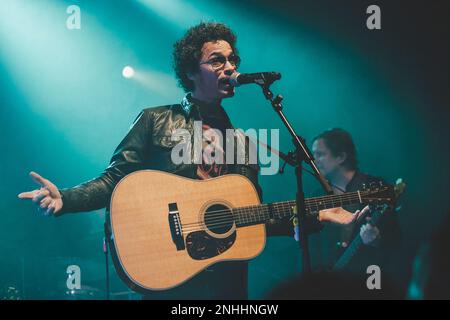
{"x": 167, "y": 228}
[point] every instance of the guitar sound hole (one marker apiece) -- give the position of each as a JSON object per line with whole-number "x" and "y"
{"x": 219, "y": 219}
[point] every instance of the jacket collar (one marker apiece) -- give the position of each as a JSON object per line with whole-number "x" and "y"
{"x": 190, "y": 105}
{"x": 187, "y": 104}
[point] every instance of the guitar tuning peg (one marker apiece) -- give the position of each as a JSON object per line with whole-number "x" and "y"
{"x": 375, "y": 184}
{"x": 380, "y": 183}
{"x": 364, "y": 186}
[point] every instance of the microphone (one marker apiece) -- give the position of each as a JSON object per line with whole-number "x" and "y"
{"x": 237, "y": 79}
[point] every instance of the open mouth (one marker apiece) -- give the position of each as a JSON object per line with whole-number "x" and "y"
{"x": 227, "y": 87}
{"x": 224, "y": 81}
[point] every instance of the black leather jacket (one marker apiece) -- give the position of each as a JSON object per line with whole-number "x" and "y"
{"x": 148, "y": 145}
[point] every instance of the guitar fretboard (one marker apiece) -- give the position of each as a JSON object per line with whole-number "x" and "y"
{"x": 257, "y": 214}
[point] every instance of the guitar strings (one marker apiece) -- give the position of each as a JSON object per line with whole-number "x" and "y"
{"x": 283, "y": 204}
{"x": 220, "y": 220}
{"x": 224, "y": 221}
{"x": 280, "y": 205}
{"x": 215, "y": 217}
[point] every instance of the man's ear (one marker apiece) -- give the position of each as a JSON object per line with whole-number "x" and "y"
{"x": 342, "y": 157}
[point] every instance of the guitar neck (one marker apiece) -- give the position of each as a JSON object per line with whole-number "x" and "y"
{"x": 348, "y": 253}
{"x": 355, "y": 245}
{"x": 247, "y": 216}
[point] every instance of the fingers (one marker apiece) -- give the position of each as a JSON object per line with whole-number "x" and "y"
{"x": 37, "y": 178}
{"x": 358, "y": 214}
{"x": 28, "y": 194}
{"x": 41, "y": 198}
{"x": 32, "y": 194}
{"x": 35, "y": 195}
{"x": 363, "y": 212}
{"x": 355, "y": 215}
{"x": 363, "y": 228}
{"x": 41, "y": 194}
{"x": 45, "y": 202}
{"x": 50, "y": 209}
{"x": 47, "y": 206}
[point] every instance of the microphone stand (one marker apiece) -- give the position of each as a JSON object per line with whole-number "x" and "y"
{"x": 302, "y": 153}
{"x": 106, "y": 239}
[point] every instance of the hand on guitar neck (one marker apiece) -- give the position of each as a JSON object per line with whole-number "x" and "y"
{"x": 342, "y": 216}
{"x": 369, "y": 234}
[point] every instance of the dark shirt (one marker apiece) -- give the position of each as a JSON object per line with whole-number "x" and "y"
{"x": 148, "y": 145}
{"x": 224, "y": 280}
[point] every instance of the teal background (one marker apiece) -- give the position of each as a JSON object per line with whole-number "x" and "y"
{"x": 65, "y": 106}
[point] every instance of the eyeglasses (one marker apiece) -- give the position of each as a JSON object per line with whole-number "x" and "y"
{"x": 219, "y": 62}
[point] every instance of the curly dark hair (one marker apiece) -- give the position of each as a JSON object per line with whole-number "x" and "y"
{"x": 339, "y": 141}
{"x": 188, "y": 50}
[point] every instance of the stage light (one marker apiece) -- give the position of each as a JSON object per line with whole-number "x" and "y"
{"x": 162, "y": 83}
{"x": 128, "y": 72}
{"x": 178, "y": 13}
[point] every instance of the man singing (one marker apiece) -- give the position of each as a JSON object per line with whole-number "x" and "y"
{"x": 204, "y": 59}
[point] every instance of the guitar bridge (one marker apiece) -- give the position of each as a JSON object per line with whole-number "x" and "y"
{"x": 175, "y": 227}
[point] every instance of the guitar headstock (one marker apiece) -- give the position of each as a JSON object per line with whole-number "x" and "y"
{"x": 380, "y": 194}
{"x": 399, "y": 187}
{"x": 377, "y": 194}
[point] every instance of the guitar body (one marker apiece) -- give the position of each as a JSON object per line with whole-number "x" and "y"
{"x": 145, "y": 208}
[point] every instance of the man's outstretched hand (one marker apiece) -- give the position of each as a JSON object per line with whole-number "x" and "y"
{"x": 47, "y": 198}
{"x": 341, "y": 216}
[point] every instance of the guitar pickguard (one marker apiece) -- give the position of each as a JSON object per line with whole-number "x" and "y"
{"x": 200, "y": 245}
